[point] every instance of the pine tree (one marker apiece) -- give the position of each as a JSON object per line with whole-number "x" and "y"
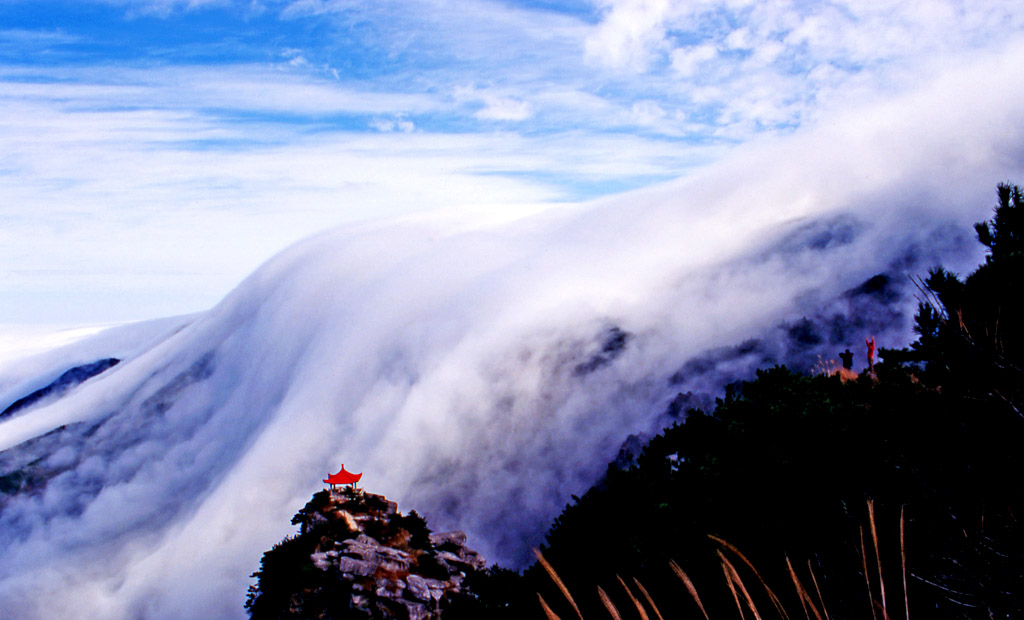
{"x": 970, "y": 329}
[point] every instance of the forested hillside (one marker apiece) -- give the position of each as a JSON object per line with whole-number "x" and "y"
{"x": 838, "y": 494}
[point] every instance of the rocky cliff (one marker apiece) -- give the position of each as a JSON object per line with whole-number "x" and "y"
{"x": 356, "y": 556}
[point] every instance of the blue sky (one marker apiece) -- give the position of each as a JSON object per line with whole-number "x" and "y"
{"x": 157, "y": 151}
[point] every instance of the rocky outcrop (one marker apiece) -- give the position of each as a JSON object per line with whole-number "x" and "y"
{"x": 356, "y": 556}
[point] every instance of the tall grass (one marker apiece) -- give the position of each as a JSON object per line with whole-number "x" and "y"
{"x": 831, "y": 367}
{"x": 745, "y": 592}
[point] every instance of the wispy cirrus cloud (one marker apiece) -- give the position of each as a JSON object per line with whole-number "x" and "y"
{"x": 165, "y": 8}
{"x": 151, "y": 200}
{"x": 281, "y": 117}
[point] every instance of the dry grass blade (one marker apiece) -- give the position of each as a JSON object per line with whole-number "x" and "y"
{"x": 547, "y": 610}
{"x": 608, "y": 604}
{"x": 799, "y": 587}
{"x": 867, "y": 577}
{"x": 878, "y": 557}
{"x": 558, "y": 582}
{"x": 801, "y": 592}
{"x": 639, "y": 608}
{"x": 732, "y": 588}
{"x": 775, "y": 600}
{"x": 735, "y": 576}
{"x": 821, "y": 599}
{"x": 647, "y": 596}
{"x": 903, "y": 561}
{"x": 885, "y": 616}
{"x": 929, "y": 298}
{"x": 689, "y": 586}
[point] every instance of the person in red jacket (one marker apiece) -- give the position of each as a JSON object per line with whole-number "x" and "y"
{"x": 871, "y": 353}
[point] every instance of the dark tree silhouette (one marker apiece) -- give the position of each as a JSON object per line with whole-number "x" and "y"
{"x": 970, "y": 329}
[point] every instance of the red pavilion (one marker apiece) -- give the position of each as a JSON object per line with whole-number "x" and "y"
{"x": 342, "y": 477}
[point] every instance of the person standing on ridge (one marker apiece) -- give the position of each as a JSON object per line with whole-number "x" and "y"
{"x": 847, "y": 357}
{"x": 871, "y": 353}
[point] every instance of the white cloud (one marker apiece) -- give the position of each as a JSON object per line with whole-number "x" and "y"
{"x": 687, "y": 61}
{"x": 740, "y": 38}
{"x": 242, "y": 88}
{"x": 29, "y": 37}
{"x": 131, "y": 192}
{"x": 629, "y": 35}
{"x": 726, "y": 45}
{"x": 164, "y": 8}
{"x": 295, "y": 57}
{"x": 117, "y": 164}
{"x": 497, "y": 109}
{"x": 647, "y": 112}
{"x": 295, "y": 147}
{"x": 393, "y": 124}
{"x": 442, "y": 356}
{"x": 497, "y": 105}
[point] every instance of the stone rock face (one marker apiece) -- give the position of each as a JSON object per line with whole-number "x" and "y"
{"x": 355, "y": 557}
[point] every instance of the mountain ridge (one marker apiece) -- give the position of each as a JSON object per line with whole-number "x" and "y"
{"x": 67, "y": 380}
{"x": 468, "y": 370}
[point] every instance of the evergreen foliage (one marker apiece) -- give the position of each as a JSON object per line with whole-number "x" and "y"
{"x": 287, "y": 577}
{"x": 495, "y": 594}
{"x": 971, "y": 337}
{"x": 787, "y": 467}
